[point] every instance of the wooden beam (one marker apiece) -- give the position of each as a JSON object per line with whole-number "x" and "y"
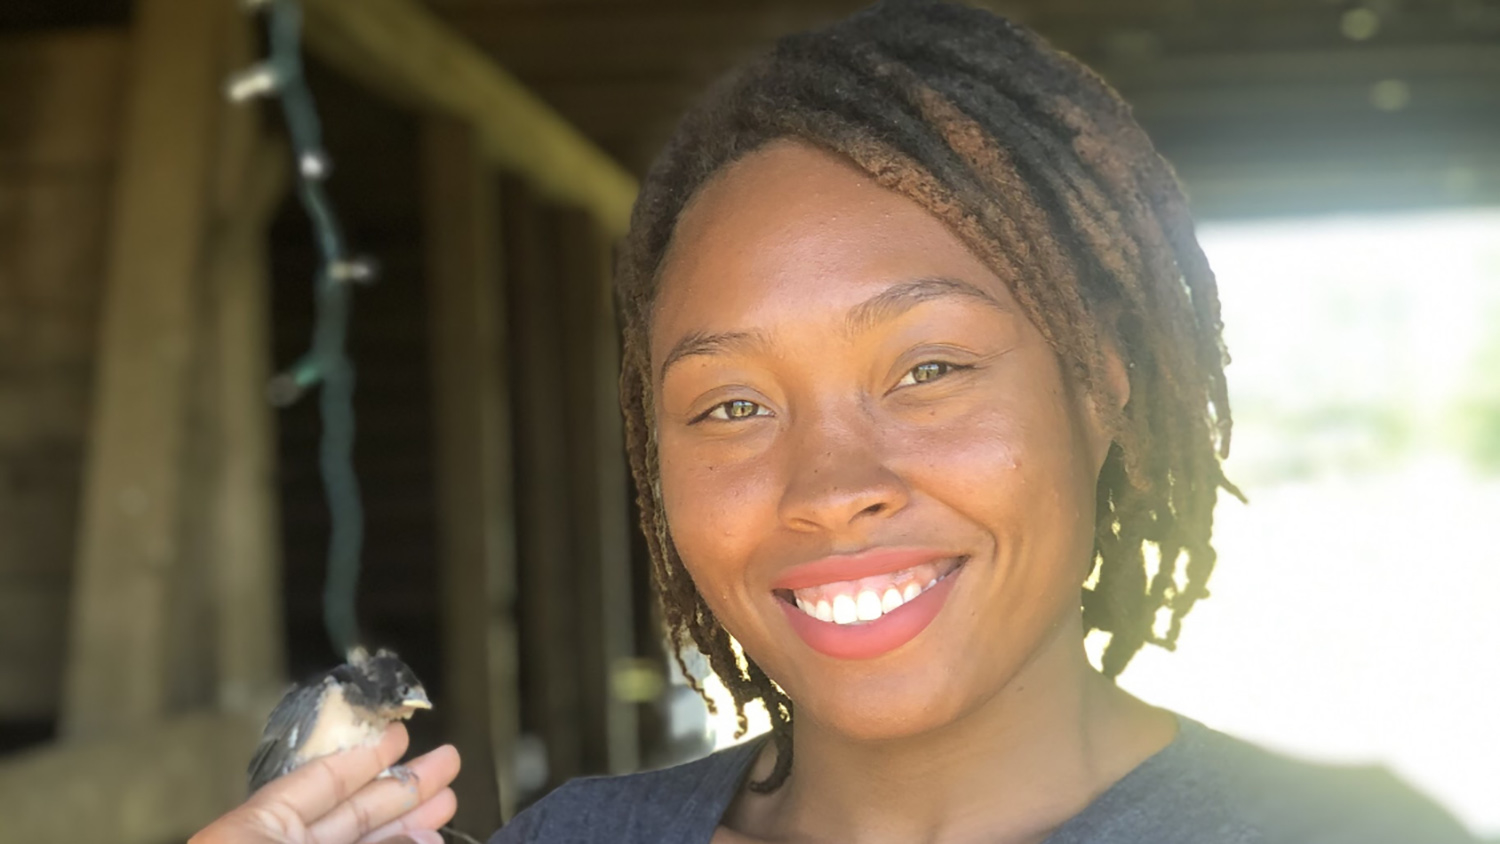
{"x": 475, "y": 508}
{"x": 129, "y": 544}
{"x": 155, "y": 783}
{"x": 402, "y": 48}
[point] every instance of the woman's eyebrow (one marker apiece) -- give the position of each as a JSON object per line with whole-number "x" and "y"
{"x": 883, "y": 306}
{"x": 902, "y": 297}
{"x": 700, "y": 343}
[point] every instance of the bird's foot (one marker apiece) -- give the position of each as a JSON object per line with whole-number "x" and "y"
{"x": 400, "y": 773}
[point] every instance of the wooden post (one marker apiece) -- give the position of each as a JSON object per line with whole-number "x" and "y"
{"x": 598, "y": 477}
{"x": 251, "y": 182}
{"x": 546, "y": 541}
{"x": 129, "y": 543}
{"x": 246, "y": 555}
{"x": 475, "y": 508}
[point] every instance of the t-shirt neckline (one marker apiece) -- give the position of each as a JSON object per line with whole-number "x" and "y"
{"x": 715, "y": 793}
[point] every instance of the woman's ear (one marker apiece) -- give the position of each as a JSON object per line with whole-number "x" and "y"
{"x": 1107, "y": 402}
{"x": 1116, "y": 372}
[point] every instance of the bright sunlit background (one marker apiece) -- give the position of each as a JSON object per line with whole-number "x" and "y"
{"x": 1353, "y": 611}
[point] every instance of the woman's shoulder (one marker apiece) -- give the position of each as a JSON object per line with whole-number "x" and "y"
{"x": 660, "y": 806}
{"x": 1207, "y": 783}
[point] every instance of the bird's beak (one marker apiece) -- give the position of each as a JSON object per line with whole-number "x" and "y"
{"x": 418, "y": 700}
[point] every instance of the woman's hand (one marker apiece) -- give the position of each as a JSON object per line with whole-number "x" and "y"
{"x": 338, "y": 800}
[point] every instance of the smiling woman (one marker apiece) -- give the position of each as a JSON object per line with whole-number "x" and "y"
{"x": 922, "y": 363}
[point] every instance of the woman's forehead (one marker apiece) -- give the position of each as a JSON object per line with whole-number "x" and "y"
{"x": 792, "y": 222}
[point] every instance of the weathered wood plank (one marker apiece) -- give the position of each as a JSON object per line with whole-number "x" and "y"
{"x": 60, "y": 97}
{"x": 475, "y": 506}
{"x": 104, "y": 790}
{"x": 405, "y": 50}
{"x": 129, "y": 543}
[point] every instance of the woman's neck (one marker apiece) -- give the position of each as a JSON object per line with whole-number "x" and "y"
{"x": 1011, "y": 770}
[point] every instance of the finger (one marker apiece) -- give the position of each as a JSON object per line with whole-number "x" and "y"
{"x": 385, "y": 800}
{"x": 433, "y": 814}
{"x": 314, "y": 789}
{"x": 424, "y": 837}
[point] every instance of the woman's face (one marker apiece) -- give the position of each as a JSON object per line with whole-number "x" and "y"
{"x": 850, "y": 406}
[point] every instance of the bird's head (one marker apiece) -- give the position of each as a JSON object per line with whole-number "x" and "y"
{"x": 387, "y": 685}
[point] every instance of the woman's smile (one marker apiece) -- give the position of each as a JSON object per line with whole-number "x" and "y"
{"x": 872, "y": 608}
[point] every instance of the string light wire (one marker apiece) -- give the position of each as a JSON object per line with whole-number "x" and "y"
{"x": 326, "y": 365}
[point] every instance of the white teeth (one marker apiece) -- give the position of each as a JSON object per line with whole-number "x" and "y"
{"x": 891, "y": 600}
{"x": 868, "y": 604}
{"x": 844, "y": 611}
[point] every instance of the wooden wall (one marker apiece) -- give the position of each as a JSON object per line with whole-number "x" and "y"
{"x": 60, "y": 115}
{"x": 160, "y": 539}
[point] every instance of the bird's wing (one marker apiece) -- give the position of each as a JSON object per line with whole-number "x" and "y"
{"x": 290, "y": 723}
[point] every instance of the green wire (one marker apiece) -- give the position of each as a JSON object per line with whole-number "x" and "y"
{"x": 326, "y": 364}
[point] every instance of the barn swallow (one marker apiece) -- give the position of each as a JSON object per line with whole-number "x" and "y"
{"x": 348, "y": 706}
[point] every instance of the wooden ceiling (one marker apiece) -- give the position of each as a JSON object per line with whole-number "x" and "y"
{"x": 1265, "y": 106}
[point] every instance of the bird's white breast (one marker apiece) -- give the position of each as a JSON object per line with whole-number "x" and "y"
{"x": 339, "y": 727}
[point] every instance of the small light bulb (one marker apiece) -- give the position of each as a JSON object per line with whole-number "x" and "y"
{"x": 314, "y": 165}
{"x": 356, "y": 270}
{"x": 258, "y": 81}
{"x": 283, "y": 390}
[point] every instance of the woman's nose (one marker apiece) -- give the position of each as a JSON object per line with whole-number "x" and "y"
{"x": 836, "y": 479}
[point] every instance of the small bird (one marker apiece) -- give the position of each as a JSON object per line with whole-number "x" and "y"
{"x": 348, "y": 706}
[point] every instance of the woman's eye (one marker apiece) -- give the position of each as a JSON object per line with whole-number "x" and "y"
{"x": 929, "y": 371}
{"x": 735, "y": 409}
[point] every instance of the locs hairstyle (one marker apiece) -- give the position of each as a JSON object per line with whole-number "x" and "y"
{"x": 1038, "y": 166}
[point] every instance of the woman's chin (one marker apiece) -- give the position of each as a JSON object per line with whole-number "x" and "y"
{"x": 882, "y": 714}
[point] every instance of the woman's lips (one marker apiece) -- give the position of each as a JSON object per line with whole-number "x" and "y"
{"x": 843, "y": 567}
{"x": 870, "y": 639}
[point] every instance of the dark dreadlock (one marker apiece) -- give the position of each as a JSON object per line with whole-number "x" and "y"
{"x": 1038, "y": 166}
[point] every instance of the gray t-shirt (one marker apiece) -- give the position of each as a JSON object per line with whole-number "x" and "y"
{"x": 1203, "y": 788}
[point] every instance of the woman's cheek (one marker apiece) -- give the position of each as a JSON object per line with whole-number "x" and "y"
{"x": 968, "y": 454}
{"x": 714, "y": 512}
